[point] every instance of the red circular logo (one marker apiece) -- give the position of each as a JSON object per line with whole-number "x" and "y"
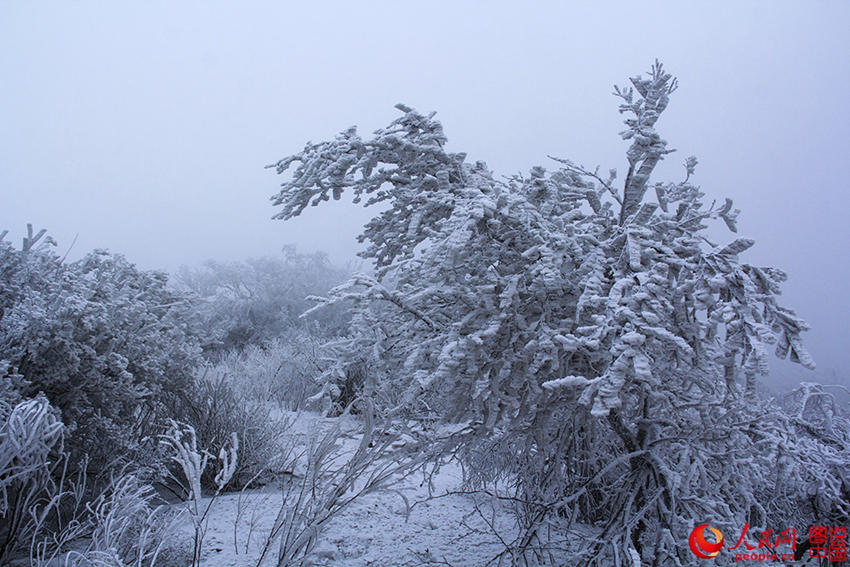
{"x": 703, "y": 548}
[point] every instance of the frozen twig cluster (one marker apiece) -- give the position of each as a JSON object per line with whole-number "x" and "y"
{"x": 31, "y": 443}
{"x": 182, "y": 442}
{"x": 333, "y": 478}
{"x": 48, "y": 511}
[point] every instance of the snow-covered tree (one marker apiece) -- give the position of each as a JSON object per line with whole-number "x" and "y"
{"x": 599, "y": 348}
{"x": 103, "y": 340}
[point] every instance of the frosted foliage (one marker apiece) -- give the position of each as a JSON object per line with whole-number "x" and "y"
{"x": 603, "y": 351}
{"x": 31, "y": 442}
{"x": 104, "y": 341}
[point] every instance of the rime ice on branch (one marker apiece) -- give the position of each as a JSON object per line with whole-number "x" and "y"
{"x": 593, "y": 338}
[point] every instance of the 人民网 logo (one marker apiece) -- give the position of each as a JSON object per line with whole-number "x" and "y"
{"x": 703, "y": 548}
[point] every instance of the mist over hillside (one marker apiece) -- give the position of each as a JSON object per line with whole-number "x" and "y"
{"x": 423, "y": 285}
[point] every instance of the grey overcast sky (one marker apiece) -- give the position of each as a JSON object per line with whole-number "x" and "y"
{"x": 144, "y": 126}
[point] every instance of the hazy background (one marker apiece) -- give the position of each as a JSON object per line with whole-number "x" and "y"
{"x": 144, "y": 127}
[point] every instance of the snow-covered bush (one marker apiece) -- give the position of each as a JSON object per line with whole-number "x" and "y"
{"x": 814, "y": 435}
{"x": 122, "y": 527}
{"x": 600, "y": 348}
{"x": 31, "y": 442}
{"x": 216, "y": 405}
{"x": 129, "y": 526}
{"x": 334, "y": 475}
{"x": 48, "y": 512}
{"x": 182, "y": 443}
{"x": 103, "y": 340}
{"x": 284, "y": 371}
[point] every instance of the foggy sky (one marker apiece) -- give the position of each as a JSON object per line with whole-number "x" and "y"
{"x": 144, "y": 127}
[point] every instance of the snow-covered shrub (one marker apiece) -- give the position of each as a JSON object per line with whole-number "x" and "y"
{"x": 48, "y": 512}
{"x": 31, "y": 443}
{"x": 296, "y": 371}
{"x": 123, "y": 526}
{"x": 129, "y": 528}
{"x": 601, "y": 350}
{"x": 11, "y": 385}
{"x": 182, "y": 443}
{"x": 813, "y": 459}
{"x": 103, "y": 340}
{"x": 285, "y": 371}
{"x": 334, "y": 476}
{"x": 216, "y": 406}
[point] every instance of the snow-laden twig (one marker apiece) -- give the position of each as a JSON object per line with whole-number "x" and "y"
{"x": 182, "y": 441}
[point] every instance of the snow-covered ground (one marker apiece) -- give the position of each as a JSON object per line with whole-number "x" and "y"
{"x": 406, "y": 524}
{"x": 374, "y": 530}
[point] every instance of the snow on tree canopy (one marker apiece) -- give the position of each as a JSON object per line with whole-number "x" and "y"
{"x": 558, "y": 305}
